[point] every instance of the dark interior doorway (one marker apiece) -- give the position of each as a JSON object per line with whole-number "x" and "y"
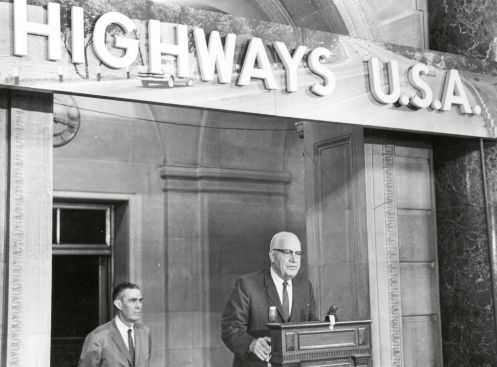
{"x": 76, "y": 294}
{"x": 81, "y": 276}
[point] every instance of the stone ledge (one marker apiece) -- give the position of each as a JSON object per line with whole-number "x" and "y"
{"x": 215, "y": 179}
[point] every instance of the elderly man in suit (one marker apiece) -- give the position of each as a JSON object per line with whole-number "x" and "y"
{"x": 244, "y": 320}
{"x": 122, "y": 342}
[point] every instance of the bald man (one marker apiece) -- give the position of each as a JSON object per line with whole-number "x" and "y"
{"x": 244, "y": 320}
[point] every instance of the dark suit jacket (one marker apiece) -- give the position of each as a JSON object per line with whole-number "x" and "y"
{"x": 246, "y": 313}
{"x": 104, "y": 347}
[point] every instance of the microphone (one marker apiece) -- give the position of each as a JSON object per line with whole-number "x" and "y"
{"x": 332, "y": 310}
{"x": 331, "y": 315}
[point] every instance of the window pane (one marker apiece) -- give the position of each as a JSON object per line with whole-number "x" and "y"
{"x": 82, "y": 226}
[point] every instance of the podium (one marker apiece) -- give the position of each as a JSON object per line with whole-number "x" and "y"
{"x": 314, "y": 344}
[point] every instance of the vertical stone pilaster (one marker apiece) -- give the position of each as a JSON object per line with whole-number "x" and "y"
{"x": 391, "y": 252}
{"x": 466, "y": 304}
{"x": 29, "y": 230}
{"x": 384, "y": 270}
{"x": 4, "y": 102}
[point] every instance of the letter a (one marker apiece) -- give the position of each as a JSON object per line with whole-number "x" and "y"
{"x": 449, "y": 97}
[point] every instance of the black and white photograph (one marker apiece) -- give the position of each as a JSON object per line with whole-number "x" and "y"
{"x": 248, "y": 183}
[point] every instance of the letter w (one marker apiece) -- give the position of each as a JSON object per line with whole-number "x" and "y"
{"x": 214, "y": 55}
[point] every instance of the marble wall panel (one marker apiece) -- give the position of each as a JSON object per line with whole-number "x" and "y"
{"x": 490, "y": 152}
{"x": 463, "y": 27}
{"x": 467, "y": 309}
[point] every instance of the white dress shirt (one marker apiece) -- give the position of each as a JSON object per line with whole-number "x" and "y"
{"x": 123, "y": 330}
{"x": 278, "y": 282}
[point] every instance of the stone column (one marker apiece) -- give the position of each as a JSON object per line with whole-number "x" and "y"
{"x": 28, "y": 119}
{"x": 466, "y": 298}
{"x": 3, "y": 209}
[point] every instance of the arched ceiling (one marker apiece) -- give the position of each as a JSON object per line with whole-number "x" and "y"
{"x": 244, "y": 8}
{"x": 314, "y": 14}
{"x": 397, "y": 21}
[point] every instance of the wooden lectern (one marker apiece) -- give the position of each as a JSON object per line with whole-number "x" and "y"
{"x": 314, "y": 344}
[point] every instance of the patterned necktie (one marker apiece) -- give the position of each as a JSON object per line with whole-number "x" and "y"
{"x": 131, "y": 346}
{"x": 286, "y": 303}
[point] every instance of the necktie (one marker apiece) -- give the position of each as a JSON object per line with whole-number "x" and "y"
{"x": 131, "y": 346}
{"x": 286, "y": 302}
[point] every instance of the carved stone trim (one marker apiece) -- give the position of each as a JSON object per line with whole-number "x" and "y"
{"x": 362, "y": 360}
{"x": 28, "y": 305}
{"x": 322, "y": 355}
{"x": 275, "y": 10}
{"x": 358, "y": 18}
{"x": 213, "y": 179}
{"x": 4, "y": 162}
{"x": 17, "y": 242}
{"x": 392, "y": 255}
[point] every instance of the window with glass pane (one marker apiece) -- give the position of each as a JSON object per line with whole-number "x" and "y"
{"x": 80, "y": 225}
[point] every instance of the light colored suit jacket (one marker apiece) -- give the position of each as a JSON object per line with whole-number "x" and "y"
{"x": 246, "y": 313}
{"x": 104, "y": 347}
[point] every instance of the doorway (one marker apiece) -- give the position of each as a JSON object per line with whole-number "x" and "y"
{"x": 82, "y": 267}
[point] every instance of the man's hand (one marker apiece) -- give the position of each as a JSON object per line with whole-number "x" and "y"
{"x": 261, "y": 348}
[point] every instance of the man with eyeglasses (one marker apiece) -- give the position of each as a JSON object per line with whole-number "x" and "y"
{"x": 246, "y": 314}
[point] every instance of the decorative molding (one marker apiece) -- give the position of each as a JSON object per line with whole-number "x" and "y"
{"x": 28, "y": 306}
{"x": 4, "y": 214}
{"x": 214, "y": 179}
{"x": 322, "y": 355}
{"x": 17, "y": 242}
{"x": 392, "y": 255}
{"x": 363, "y": 336}
{"x": 358, "y": 19}
{"x": 422, "y": 10}
{"x": 275, "y": 10}
{"x": 367, "y": 19}
{"x": 361, "y": 360}
{"x": 486, "y": 114}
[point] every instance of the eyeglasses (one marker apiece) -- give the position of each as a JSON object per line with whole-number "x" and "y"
{"x": 288, "y": 252}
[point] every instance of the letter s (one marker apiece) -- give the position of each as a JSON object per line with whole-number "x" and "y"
{"x": 314, "y": 62}
{"x": 415, "y": 80}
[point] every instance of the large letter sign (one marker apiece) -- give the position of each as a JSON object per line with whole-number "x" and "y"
{"x": 22, "y": 27}
{"x": 130, "y": 45}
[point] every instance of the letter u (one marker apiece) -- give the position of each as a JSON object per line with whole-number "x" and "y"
{"x": 376, "y": 84}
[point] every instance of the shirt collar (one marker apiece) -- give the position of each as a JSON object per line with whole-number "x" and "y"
{"x": 122, "y": 327}
{"x": 278, "y": 280}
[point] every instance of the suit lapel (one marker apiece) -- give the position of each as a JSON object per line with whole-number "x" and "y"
{"x": 296, "y": 299}
{"x": 118, "y": 340}
{"x": 138, "y": 343}
{"x": 272, "y": 293}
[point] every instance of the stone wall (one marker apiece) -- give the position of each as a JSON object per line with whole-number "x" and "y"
{"x": 466, "y": 296}
{"x": 211, "y": 187}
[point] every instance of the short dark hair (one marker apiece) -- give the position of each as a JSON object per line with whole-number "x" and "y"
{"x": 121, "y": 287}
